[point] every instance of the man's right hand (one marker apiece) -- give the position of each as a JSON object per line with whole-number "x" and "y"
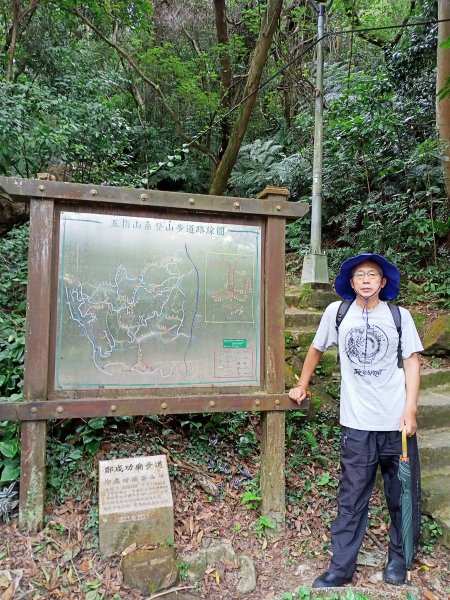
{"x": 298, "y": 393}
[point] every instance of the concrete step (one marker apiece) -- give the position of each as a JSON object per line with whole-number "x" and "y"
{"x": 434, "y": 407}
{"x": 434, "y": 377}
{"x": 296, "y": 318}
{"x": 442, "y": 518}
{"x": 299, "y": 338}
{"x": 291, "y": 299}
{"x": 435, "y": 489}
{"x": 304, "y": 296}
{"x": 349, "y": 591}
{"x": 434, "y": 448}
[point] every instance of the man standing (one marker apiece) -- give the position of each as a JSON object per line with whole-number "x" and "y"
{"x": 379, "y": 391}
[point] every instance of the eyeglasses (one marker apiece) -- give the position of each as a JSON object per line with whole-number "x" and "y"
{"x": 368, "y": 274}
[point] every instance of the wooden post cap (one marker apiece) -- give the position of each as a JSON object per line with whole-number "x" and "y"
{"x": 273, "y": 190}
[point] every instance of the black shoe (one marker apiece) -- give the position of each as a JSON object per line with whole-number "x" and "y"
{"x": 330, "y": 580}
{"x": 394, "y": 572}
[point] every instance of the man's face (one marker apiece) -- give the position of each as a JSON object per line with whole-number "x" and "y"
{"x": 367, "y": 279}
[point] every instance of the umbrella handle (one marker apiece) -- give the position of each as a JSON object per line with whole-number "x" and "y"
{"x": 404, "y": 443}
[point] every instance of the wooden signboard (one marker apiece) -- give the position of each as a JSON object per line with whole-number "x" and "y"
{"x": 142, "y": 302}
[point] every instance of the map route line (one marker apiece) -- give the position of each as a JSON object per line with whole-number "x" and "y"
{"x": 196, "y": 305}
{"x": 109, "y": 319}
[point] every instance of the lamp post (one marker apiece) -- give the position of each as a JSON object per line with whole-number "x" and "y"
{"x": 315, "y": 266}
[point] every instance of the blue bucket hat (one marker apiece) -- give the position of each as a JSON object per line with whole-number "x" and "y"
{"x": 390, "y": 272}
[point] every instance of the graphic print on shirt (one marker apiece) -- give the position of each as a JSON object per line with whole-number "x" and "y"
{"x": 366, "y": 346}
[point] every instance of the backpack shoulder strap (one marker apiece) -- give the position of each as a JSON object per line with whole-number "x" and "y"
{"x": 342, "y": 311}
{"x": 395, "y": 312}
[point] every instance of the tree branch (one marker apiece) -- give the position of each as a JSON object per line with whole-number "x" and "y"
{"x": 193, "y": 41}
{"x": 32, "y": 6}
{"x": 396, "y": 40}
{"x": 353, "y": 16}
{"x": 371, "y": 38}
{"x": 197, "y": 145}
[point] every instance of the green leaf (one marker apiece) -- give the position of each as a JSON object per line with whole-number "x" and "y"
{"x": 97, "y": 423}
{"x": 324, "y": 479}
{"x": 93, "y": 447}
{"x": 266, "y": 522}
{"x": 9, "y": 448}
{"x": 11, "y": 472}
{"x": 445, "y": 43}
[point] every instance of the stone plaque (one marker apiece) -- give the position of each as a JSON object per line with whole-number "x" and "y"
{"x": 135, "y": 503}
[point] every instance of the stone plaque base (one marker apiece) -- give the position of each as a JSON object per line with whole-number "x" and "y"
{"x": 150, "y": 570}
{"x": 157, "y": 527}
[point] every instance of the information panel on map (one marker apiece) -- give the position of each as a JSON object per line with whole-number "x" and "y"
{"x": 145, "y": 302}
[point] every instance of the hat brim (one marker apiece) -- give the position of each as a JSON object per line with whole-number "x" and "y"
{"x": 390, "y": 272}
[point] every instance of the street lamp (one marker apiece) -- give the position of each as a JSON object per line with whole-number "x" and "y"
{"x": 315, "y": 267}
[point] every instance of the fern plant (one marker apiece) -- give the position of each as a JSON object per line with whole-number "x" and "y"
{"x": 264, "y": 162}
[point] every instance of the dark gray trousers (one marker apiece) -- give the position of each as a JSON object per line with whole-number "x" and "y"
{"x": 361, "y": 453}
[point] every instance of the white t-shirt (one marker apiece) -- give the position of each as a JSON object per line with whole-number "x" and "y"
{"x": 373, "y": 390}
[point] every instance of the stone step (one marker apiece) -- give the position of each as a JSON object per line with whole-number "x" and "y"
{"x": 442, "y": 518}
{"x": 434, "y": 377}
{"x": 400, "y": 593}
{"x": 296, "y": 318}
{"x": 434, "y": 407}
{"x": 435, "y": 489}
{"x": 299, "y": 338}
{"x": 291, "y": 299}
{"x": 306, "y": 297}
{"x": 434, "y": 448}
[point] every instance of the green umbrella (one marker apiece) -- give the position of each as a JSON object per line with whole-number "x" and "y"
{"x": 404, "y": 474}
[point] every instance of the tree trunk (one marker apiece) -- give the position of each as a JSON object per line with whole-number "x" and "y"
{"x": 225, "y": 73}
{"x": 268, "y": 27}
{"x": 12, "y": 46}
{"x": 443, "y": 74}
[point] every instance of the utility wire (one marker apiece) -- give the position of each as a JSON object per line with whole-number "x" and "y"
{"x": 291, "y": 62}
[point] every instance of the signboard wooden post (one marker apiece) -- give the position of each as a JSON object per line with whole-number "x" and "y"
{"x": 273, "y": 422}
{"x": 147, "y": 302}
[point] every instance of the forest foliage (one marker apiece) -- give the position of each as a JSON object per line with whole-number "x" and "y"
{"x": 146, "y": 94}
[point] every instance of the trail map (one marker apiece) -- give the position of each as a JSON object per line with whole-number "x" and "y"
{"x": 157, "y": 302}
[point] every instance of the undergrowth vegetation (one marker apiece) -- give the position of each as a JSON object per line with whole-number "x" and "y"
{"x": 13, "y": 281}
{"x": 223, "y": 447}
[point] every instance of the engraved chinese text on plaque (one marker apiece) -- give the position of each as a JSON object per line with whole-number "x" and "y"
{"x": 135, "y": 503}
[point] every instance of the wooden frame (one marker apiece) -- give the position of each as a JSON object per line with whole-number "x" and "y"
{"x": 42, "y": 401}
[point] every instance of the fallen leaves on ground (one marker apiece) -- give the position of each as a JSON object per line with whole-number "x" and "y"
{"x": 63, "y": 561}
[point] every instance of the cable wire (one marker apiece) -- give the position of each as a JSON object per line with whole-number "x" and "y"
{"x": 291, "y": 62}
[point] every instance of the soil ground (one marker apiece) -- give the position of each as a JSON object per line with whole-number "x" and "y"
{"x": 63, "y": 560}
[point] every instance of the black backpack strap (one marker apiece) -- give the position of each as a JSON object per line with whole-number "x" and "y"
{"x": 342, "y": 311}
{"x": 395, "y": 311}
